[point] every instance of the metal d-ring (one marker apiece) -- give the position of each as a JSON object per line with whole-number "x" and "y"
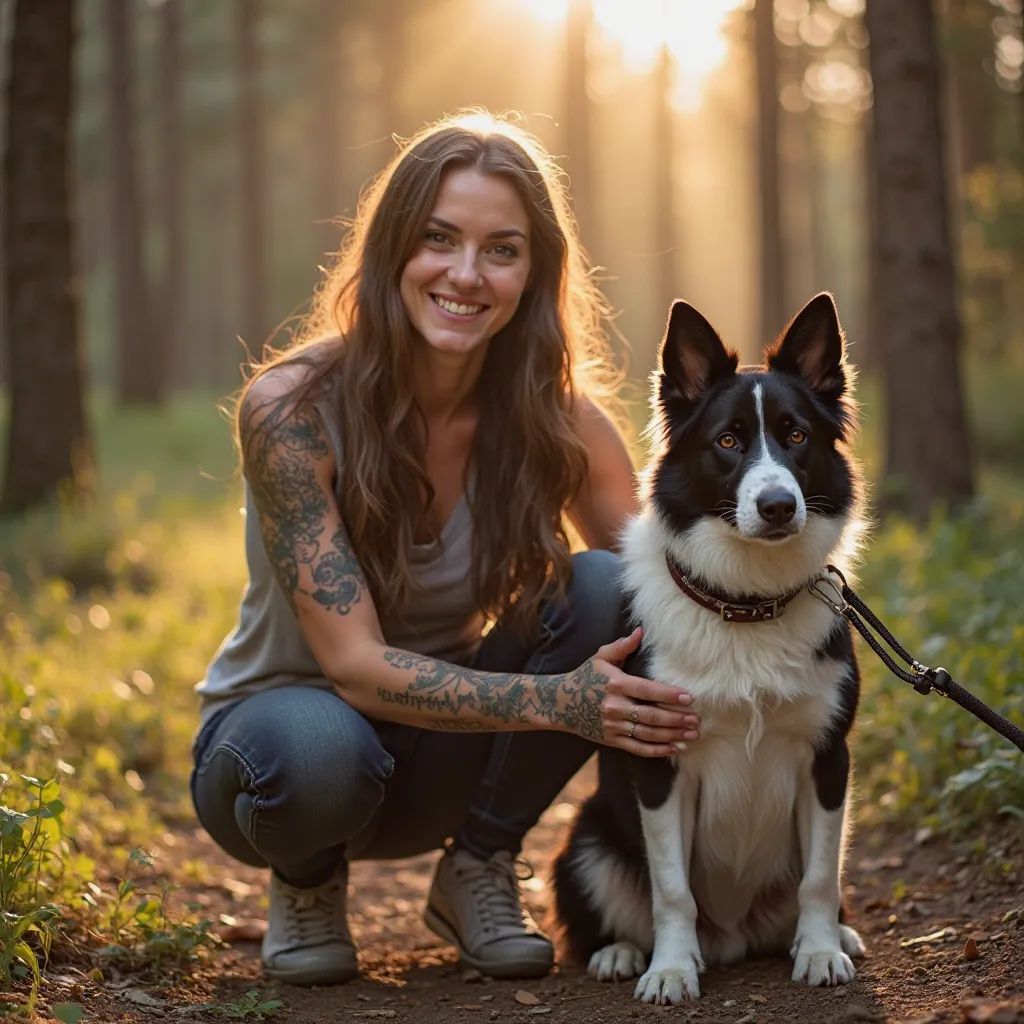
{"x": 835, "y": 599}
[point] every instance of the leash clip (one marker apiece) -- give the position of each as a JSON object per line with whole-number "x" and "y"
{"x": 833, "y": 596}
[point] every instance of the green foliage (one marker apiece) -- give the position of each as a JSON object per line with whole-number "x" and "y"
{"x": 27, "y": 917}
{"x": 252, "y": 1006}
{"x": 951, "y": 594}
{"x": 68, "y": 1013}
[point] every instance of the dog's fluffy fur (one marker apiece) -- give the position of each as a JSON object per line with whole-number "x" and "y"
{"x": 735, "y": 846}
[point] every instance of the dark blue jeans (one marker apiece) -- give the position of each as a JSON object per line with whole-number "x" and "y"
{"x": 295, "y": 779}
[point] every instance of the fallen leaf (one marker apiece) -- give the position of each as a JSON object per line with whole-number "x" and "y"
{"x": 971, "y": 950}
{"x": 95, "y": 974}
{"x": 758, "y": 999}
{"x": 140, "y": 998}
{"x": 247, "y": 931}
{"x": 987, "y": 1011}
{"x": 526, "y": 998}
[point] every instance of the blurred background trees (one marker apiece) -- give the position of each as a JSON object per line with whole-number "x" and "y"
{"x": 727, "y": 151}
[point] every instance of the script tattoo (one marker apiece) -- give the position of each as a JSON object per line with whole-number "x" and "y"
{"x": 572, "y": 699}
{"x": 281, "y": 445}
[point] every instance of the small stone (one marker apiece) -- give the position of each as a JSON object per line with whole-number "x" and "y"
{"x": 472, "y": 976}
{"x": 971, "y": 951}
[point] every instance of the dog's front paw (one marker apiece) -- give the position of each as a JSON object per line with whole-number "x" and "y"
{"x": 673, "y": 984}
{"x": 616, "y": 962}
{"x": 822, "y": 966}
{"x": 852, "y": 943}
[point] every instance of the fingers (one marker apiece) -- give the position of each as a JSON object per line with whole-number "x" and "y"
{"x": 651, "y": 749}
{"x": 654, "y": 693}
{"x": 664, "y": 717}
{"x": 618, "y": 650}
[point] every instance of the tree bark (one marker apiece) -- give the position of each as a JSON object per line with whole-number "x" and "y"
{"x": 773, "y": 284}
{"x": 254, "y": 200}
{"x": 140, "y": 374}
{"x": 928, "y": 456}
{"x": 48, "y": 444}
{"x": 577, "y": 117}
{"x": 664, "y": 183}
{"x": 331, "y": 88}
{"x": 172, "y": 182}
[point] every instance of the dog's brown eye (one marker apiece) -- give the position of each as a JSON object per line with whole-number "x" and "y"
{"x": 727, "y": 441}
{"x": 797, "y": 436}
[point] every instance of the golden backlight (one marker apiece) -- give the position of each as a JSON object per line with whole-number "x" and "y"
{"x": 692, "y": 30}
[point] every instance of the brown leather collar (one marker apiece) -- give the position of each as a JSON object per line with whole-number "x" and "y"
{"x": 764, "y": 610}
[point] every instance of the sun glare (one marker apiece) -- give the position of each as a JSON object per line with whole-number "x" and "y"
{"x": 692, "y": 30}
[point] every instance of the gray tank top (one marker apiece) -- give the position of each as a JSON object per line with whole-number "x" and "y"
{"x": 267, "y": 649}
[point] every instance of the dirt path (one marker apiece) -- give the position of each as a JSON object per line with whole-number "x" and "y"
{"x": 915, "y": 905}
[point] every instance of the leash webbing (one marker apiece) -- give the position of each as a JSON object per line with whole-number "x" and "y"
{"x": 921, "y": 677}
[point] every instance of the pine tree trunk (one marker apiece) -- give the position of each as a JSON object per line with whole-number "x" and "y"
{"x": 577, "y": 118}
{"x": 928, "y": 456}
{"x": 48, "y": 445}
{"x": 140, "y": 373}
{"x": 331, "y": 88}
{"x": 254, "y": 213}
{"x": 172, "y": 182}
{"x": 773, "y": 285}
{"x": 664, "y": 184}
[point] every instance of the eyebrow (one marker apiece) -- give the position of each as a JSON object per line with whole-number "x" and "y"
{"x": 449, "y": 226}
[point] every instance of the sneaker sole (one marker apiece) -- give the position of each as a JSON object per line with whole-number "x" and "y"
{"x": 521, "y": 968}
{"x": 306, "y": 978}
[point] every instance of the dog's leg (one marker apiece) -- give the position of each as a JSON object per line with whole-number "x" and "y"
{"x": 668, "y": 812}
{"x": 820, "y": 949}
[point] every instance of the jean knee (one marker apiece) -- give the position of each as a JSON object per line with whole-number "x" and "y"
{"x": 595, "y": 595}
{"x": 312, "y": 772}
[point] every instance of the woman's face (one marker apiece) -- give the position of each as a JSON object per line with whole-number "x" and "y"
{"x": 468, "y": 273}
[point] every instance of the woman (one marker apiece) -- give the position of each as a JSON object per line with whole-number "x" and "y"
{"x": 409, "y": 465}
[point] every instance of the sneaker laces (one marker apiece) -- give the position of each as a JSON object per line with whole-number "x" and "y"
{"x": 494, "y": 886}
{"x": 315, "y": 916}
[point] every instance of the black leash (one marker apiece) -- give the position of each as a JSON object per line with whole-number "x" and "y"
{"x": 921, "y": 677}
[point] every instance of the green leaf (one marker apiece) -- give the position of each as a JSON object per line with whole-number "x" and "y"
{"x": 68, "y": 1013}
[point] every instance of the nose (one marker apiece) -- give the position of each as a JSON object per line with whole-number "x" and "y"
{"x": 776, "y": 507}
{"x": 463, "y": 272}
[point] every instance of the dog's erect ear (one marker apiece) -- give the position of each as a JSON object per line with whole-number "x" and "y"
{"x": 812, "y": 348}
{"x": 692, "y": 355}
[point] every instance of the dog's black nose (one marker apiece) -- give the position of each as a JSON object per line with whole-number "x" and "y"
{"x": 776, "y": 507}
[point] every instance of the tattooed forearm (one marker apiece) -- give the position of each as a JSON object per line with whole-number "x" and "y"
{"x": 281, "y": 446}
{"x": 465, "y": 699}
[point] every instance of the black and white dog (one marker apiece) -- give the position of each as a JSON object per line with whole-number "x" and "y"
{"x": 735, "y": 847}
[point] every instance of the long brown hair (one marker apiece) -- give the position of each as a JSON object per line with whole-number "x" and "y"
{"x": 527, "y": 459}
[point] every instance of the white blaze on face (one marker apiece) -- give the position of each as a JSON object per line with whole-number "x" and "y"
{"x": 764, "y": 475}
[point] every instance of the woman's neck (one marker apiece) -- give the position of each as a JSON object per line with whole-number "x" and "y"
{"x": 445, "y": 383}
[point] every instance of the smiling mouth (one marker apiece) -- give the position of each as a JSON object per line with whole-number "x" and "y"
{"x": 458, "y": 308}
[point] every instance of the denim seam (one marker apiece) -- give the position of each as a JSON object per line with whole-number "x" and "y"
{"x": 229, "y": 748}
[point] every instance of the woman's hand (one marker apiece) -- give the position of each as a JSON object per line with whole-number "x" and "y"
{"x": 639, "y": 715}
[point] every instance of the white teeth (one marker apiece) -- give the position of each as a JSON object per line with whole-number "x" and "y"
{"x": 455, "y": 307}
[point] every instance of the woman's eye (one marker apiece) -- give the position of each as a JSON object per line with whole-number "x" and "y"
{"x": 505, "y": 252}
{"x": 437, "y": 237}
{"x": 727, "y": 441}
{"x": 797, "y": 436}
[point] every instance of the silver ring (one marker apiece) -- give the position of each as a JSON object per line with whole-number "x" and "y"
{"x": 632, "y": 729}
{"x": 634, "y": 715}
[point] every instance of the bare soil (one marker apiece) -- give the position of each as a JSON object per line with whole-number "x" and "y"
{"x": 915, "y": 901}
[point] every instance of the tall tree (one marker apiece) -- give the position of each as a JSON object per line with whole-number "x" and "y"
{"x": 331, "y": 89}
{"x": 254, "y": 212}
{"x": 140, "y": 374}
{"x": 773, "y": 285}
{"x": 928, "y": 456}
{"x": 577, "y": 115}
{"x": 172, "y": 182}
{"x": 664, "y": 206}
{"x": 48, "y": 441}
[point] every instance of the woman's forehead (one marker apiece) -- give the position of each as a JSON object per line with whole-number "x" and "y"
{"x": 480, "y": 200}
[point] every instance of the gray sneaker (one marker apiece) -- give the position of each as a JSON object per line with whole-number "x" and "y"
{"x": 474, "y": 904}
{"x": 307, "y": 940}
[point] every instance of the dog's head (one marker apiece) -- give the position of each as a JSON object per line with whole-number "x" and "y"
{"x": 758, "y": 449}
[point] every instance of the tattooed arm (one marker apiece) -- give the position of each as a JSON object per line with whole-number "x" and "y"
{"x": 291, "y": 471}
